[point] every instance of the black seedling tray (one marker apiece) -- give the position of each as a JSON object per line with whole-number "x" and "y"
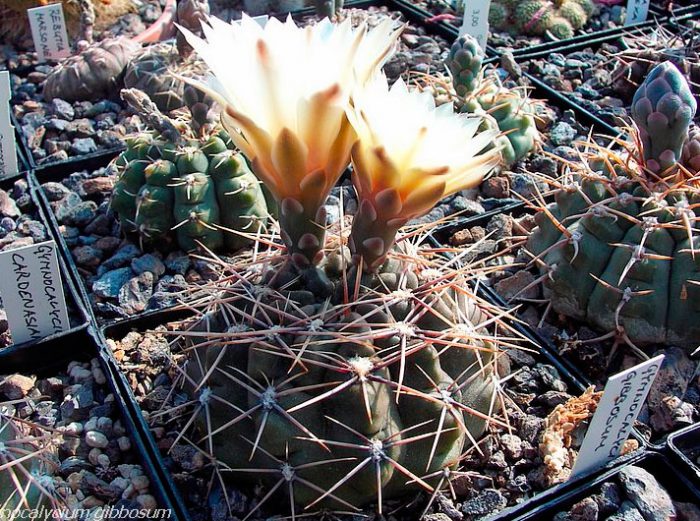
{"x": 440, "y": 236}
{"x": 54, "y": 355}
{"x": 77, "y": 313}
{"x": 542, "y": 355}
{"x": 656, "y": 16}
{"x": 677, "y": 485}
{"x": 684, "y": 446}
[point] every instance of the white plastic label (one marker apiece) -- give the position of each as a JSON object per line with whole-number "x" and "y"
{"x": 476, "y": 20}
{"x": 8, "y": 148}
{"x": 637, "y": 11}
{"x": 617, "y": 411}
{"x": 49, "y": 32}
{"x": 32, "y": 293}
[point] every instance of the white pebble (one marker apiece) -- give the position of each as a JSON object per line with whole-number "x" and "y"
{"x": 96, "y": 439}
{"x": 124, "y": 443}
{"x": 147, "y": 501}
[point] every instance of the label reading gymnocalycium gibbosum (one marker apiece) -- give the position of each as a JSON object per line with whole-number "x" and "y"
{"x": 49, "y": 32}
{"x": 622, "y": 400}
{"x": 637, "y": 11}
{"x": 32, "y": 292}
{"x": 476, "y": 20}
{"x": 8, "y": 148}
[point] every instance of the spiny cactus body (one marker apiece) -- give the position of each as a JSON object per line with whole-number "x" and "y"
{"x": 358, "y": 402}
{"x": 559, "y": 18}
{"x": 93, "y": 74}
{"x": 508, "y": 109}
{"x": 619, "y": 248}
{"x": 25, "y": 478}
{"x": 196, "y": 192}
{"x": 158, "y": 72}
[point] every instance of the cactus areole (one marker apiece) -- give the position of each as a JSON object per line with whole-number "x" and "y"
{"x": 628, "y": 222}
{"x": 345, "y": 371}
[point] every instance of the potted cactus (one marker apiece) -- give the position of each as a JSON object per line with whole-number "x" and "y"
{"x": 627, "y": 223}
{"x": 342, "y": 367}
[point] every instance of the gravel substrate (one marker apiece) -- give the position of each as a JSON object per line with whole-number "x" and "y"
{"x": 96, "y": 466}
{"x": 633, "y": 495}
{"x": 20, "y": 226}
{"x": 674, "y": 400}
{"x": 598, "y": 79}
{"x": 608, "y": 17}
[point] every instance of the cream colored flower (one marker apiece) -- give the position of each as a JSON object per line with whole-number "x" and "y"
{"x": 409, "y": 155}
{"x": 285, "y": 90}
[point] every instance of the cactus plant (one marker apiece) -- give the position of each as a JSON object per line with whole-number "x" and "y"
{"x": 618, "y": 247}
{"x": 508, "y": 109}
{"x": 323, "y": 7}
{"x": 93, "y": 74}
{"x": 559, "y": 18}
{"x": 350, "y": 374}
{"x": 158, "y": 71}
{"x": 25, "y": 469}
{"x": 180, "y": 188}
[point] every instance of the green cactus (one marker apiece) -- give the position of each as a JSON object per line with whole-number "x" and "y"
{"x": 513, "y": 114}
{"x": 194, "y": 193}
{"x": 663, "y": 109}
{"x": 559, "y": 18}
{"x": 617, "y": 248}
{"x": 464, "y": 61}
{"x": 346, "y": 403}
{"x": 25, "y": 475}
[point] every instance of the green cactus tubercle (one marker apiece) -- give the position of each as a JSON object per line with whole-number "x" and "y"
{"x": 193, "y": 195}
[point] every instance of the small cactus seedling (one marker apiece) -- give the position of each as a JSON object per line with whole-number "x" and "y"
{"x": 504, "y": 109}
{"x": 618, "y": 248}
{"x": 178, "y": 187}
{"x": 354, "y": 370}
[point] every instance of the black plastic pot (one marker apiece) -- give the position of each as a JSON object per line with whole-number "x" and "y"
{"x": 145, "y": 323}
{"x": 53, "y": 355}
{"x": 677, "y": 485}
{"x": 441, "y": 236}
{"x": 77, "y": 312}
{"x": 684, "y": 446}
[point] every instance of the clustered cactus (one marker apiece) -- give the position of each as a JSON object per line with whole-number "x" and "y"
{"x": 347, "y": 371}
{"x": 618, "y": 247}
{"x": 178, "y": 187}
{"x": 504, "y": 109}
{"x": 557, "y": 18}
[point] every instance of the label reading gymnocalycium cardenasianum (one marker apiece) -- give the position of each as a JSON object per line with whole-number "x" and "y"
{"x": 49, "y": 32}
{"x": 614, "y": 418}
{"x": 476, "y": 20}
{"x": 32, "y": 292}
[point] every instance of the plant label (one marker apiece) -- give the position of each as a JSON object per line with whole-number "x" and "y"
{"x": 476, "y": 20}
{"x": 617, "y": 411}
{"x": 8, "y": 146}
{"x": 261, "y": 20}
{"x": 637, "y": 11}
{"x": 49, "y": 32}
{"x": 32, "y": 292}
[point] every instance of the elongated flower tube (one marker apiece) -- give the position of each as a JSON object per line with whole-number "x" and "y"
{"x": 285, "y": 90}
{"x": 409, "y": 155}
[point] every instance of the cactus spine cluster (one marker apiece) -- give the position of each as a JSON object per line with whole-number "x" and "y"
{"x": 25, "y": 472}
{"x": 177, "y": 188}
{"x": 628, "y": 223}
{"x": 558, "y": 18}
{"x": 505, "y": 109}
